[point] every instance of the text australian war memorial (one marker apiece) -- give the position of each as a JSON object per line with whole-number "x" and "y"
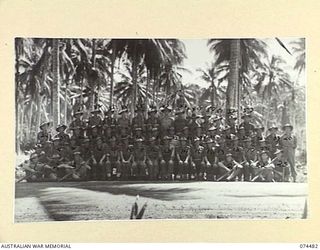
{"x": 159, "y": 110}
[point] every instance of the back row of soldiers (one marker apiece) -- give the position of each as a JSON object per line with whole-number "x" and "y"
{"x": 164, "y": 146}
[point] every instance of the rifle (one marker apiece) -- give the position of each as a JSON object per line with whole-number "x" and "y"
{"x": 226, "y": 174}
{"x": 259, "y": 173}
{"x": 72, "y": 172}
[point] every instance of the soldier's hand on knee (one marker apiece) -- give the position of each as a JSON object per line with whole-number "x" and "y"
{"x": 180, "y": 162}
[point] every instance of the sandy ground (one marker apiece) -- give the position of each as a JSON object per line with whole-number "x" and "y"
{"x": 174, "y": 200}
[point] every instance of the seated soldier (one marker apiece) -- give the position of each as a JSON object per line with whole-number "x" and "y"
{"x": 152, "y": 151}
{"x": 77, "y": 134}
{"x": 126, "y": 155}
{"x": 257, "y": 135}
{"x": 247, "y": 125}
{"x": 250, "y": 158}
{"x": 174, "y": 139}
{"x": 166, "y": 120}
{"x": 183, "y": 158}
{"x": 211, "y": 160}
{"x": 264, "y": 169}
{"x": 180, "y": 122}
{"x": 36, "y": 171}
{"x": 282, "y": 168}
{"x": 94, "y": 134}
{"x": 186, "y": 133}
{"x": 236, "y": 150}
{"x": 77, "y": 169}
{"x": 138, "y": 121}
{"x": 138, "y": 134}
{"x": 98, "y": 163}
{"x": 113, "y": 165}
{"x": 226, "y": 166}
{"x": 197, "y": 160}
{"x": 78, "y": 122}
{"x": 124, "y": 121}
{"x": 139, "y": 167}
{"x": 153, "y": 121}
{"x": 167, "y": 153}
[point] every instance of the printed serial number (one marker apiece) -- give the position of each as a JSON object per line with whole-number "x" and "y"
{"x": 308, "y": 245}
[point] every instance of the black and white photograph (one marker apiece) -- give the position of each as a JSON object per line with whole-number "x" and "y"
{"x": 157, "y": 129}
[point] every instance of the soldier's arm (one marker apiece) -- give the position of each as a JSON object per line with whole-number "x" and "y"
{"x": 188, "y": 155}
{"x": 178, "y": 156}
{"x": 173, "y": 152}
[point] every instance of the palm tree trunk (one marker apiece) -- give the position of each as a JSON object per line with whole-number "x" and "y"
{"x": 113, "y": 59}
{"x": 55, "y": 83}
{"x": 134, "y": 78}
{"x": 234, "y": 74}
{"x": 212, "y": 92}
{"x": 66, "y": 103}
{"x": 146, "y": 102}
{"x": 18, "y": 137}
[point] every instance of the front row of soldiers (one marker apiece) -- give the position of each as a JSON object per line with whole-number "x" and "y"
{"x": 172, "y": 158}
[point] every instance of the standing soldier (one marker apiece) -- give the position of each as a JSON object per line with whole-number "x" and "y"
{"x": 78, "y": 122}
{"x": 167, "y": 153}
{"x": 197, "y": 160}
{"x": 44, "y": 135}
{"x": 180, "y": 122}
{"x": 247, "y": 125}
{"x": 113, "y": 160}
{"x": 126, "y": 152}
{"x": 272, "y": 140}
{"x": 138, "y": 121}
{"x": 282, "y": 167}
{"x": 139, "y": 167}
{"x": 183, "y": 158}
{"x": 153, "y": 155}
{"x": 165, "y": 121}
{"x": 288, "y": 143}
{"x": 63, "y": 137}
{"x": 98, "y": 156}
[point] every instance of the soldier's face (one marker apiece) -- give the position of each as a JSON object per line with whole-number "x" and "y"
{"x": 264, "y": 157}
{"x": 229, "y": 158}
{"x": 287, "y": 130}
{"x": 279, "y": 155}
{"x": 235, "y": 143}
{"x": 183, "y": 143}
{"x": 197, "y": 143}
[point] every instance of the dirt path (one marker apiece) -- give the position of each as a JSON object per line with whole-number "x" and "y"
{"x": 189, "y": 200}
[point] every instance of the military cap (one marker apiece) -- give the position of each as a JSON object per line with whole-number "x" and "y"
{"x": 246, "y": 139}
{"x": 273, "y": 127}
{"x": 55, "y": 156}
{"x": 182, "y": 138}
{"x": 139, "y": 140}
{"x": 217, "y": 118}
{"x": 185, "y": 128}
{"x": 138, "y": 129}
{"x": 263, "y": 152}
{"x": 209, "y": 140}
{"x": 217, "y": 137}
{"x": 196, "y": 139}
{"x": 55, "y": 139}
{"x": 259, "y": 127}
{"x": 287, "y": 126}
{"x": 112, "y": 138}
{"x": 241, "y": 128}
{"x": 180, "y": 111}
{"x": 76, "y": 152}
{"x": 246, "y": 115}
{"x": 155, "y": 129}
{"x": 61, "y": 126}
{"x": 44, "y": 124}
{"x": 228, "y": 154}
{"x": 167, "y": 138}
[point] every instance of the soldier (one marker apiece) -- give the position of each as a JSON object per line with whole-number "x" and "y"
{"x": 174, "y": 139}
{"x": 61, "y": 134}
{"x": 232, "y": 124}
{"x": 288, "y": 143}
{"x": 247, "y": 125}
{"x": 113, "y": 165}
{"x": 94, "y": 121}
{"x": 56, "y": 146}
{"x": 107, "y": 135}
{"x": 139, "y": 167}
{"x": 258, "y": 135}
{"x": 241, "y": 135}
{"x": 225, "y": 166}
{"x": 138, "y": 121}
{"x": 44, "y": 135}
{"x": 124, "y": 121}
{"x": 264, "y": 169}
{"x": 217, "y": 122}
{"x": 86, "y": 149}
{"x": 167, "y": 154}
{"x": 77, "y": 135}
{"x": 250, "y": 158}
{"x": 212, "y": 132}
{"x": 186, "y": 133}
{"x": 77, "y": 169}
{"x": 180, "y": 122}
{"x": 197, "y": 160}
{"x": 94, "y": 133}
{"x": 199, "y": 134}
{"x": 272, "y": 140}
{"x": 236, "y": 150}
{"x": 138, "y": 134}
{"x": 110, "y": 118}
{"x": 98, "y": 164}
{"x": 228, "y": 136}
{"x": 166, "y": 121}
{"x": 153, "y": 155}
{"x": 126, "y": 155}
{"x": 36, "y": 171}
{"x": 153, "y": 121}
{"x": 183, "y": 158}
{"x": 211, "y": 160}
{"x": 282, "y": 169}
{"x": 78, "y": 122}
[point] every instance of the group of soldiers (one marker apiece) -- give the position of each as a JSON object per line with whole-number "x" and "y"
{"x": 164, "y": 144}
